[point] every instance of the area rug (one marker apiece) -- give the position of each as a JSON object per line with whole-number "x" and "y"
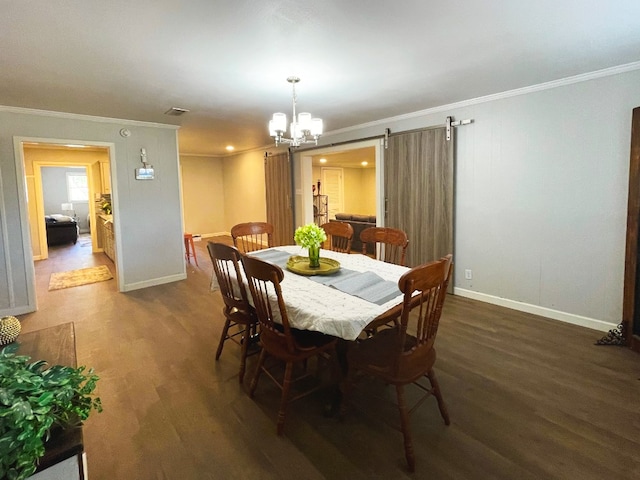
{"x": 84, "y": 276}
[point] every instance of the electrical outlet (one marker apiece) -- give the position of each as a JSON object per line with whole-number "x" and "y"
{"x": 468, "y": 274}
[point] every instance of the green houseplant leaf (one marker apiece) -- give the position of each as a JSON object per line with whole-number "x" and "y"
{"x": 33, "y": 399}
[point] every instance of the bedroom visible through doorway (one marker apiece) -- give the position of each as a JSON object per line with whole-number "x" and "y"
{"x": 65, "y": 181}
{"x": 55, "y": 177}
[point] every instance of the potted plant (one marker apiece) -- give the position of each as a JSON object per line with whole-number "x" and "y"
{"x": 33, "y": 401}
{"x": 311, "y": 236}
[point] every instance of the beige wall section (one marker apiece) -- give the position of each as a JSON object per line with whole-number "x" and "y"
{"x": 244, "y": 189}
{"x": 203, "y": 195}
{"x": 369, "y": 191}
{"x": 316, "y": 175}
{"x": 70, "y": 156}
{"x": 360, "y": 191}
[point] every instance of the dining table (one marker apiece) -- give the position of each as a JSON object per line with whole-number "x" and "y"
{"x": 361, "y": 293}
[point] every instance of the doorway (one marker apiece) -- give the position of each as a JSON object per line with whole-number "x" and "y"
{"x": 361, "y": 167}
{"x": 38, "y": 159}
{"x": 38, "y": 155}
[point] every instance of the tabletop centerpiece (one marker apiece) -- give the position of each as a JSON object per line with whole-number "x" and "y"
{"x": 311, "y": 236}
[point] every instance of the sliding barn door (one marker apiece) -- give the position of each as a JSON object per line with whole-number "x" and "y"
{"x": 630, "y": 327}
{"x": 418, "y": 186}
{"x": 277, "y": 173}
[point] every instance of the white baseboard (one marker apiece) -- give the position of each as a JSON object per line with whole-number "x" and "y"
{"x": 217, "y": 234}
{"x": 537, "y": 310}
{"x": 153, "y": 282}
{"x": 19, "y": 310}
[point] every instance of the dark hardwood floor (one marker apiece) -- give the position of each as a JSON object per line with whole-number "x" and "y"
{"x": 529, "y": 398}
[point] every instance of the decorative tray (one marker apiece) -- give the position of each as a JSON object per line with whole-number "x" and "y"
{"x": 300, "y": 265}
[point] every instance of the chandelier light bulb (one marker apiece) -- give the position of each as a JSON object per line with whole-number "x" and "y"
{"x": 316, "y": 127}
{"x": 304, "y": 120}
{"x": 279, "y": 122}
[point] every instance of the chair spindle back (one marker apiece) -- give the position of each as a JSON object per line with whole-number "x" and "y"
{"x": 252, "y": 236}
{"x": 393, "y": 243}
{"x": 339, "y": 236}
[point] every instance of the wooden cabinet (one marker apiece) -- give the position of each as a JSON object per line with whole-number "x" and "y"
{"x": 105, "y": 177}
{"x": 106, "y": 237}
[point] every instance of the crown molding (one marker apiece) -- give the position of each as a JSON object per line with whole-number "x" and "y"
{"x": 584, "y": 77}
{"x": 90, "y": 118}
{"x": 269, "y": 148}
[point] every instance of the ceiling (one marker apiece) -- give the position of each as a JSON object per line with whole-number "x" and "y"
{"x": 347, "y": 158}
{"x": 358, "y": 60}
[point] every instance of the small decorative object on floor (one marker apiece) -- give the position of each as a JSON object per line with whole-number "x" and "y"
{"x": 311, "y": 236}
{"x": 616, "y": 337}
{"x": 9, "y": 329}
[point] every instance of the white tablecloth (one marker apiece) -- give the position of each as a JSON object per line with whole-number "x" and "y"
{"x": 314, "y": 306}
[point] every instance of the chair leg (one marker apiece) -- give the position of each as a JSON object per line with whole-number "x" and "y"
{"x": 286, "y": 387}
{"x": 223, "y": 337}
{"x": 246, "y": 340}
{"x": 435, "y": 388}
{"x": 193, "y": 250}
{"x": 256, "y": 377}
{"x": 406, "y": 432}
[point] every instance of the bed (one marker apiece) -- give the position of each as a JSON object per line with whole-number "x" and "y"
{"x": 61, "y": 229}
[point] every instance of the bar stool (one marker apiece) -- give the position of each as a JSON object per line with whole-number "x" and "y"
{"x": 189, "y": 248}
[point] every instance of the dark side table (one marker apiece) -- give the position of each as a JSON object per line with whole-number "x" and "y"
{"x": 57, "y": 346}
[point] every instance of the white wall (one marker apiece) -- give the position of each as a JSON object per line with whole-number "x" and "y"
{"x": 147, "y": 213}
{"x": 541, "y": 195}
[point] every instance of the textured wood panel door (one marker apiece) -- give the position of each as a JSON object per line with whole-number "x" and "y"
{"x": 631, "y": 304}
{"x": 277, "y": 173}
{"x": 418, "y": 186}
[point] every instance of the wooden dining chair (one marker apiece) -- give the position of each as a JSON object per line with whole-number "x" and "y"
{"x": 393, "y": 243}
{"x": 339, "y": 236}
{"x": 405, "y": 354}
{"x": 252, "y": 236}
{"x": 278, "y": 339}
{"x": 241, "y": 322}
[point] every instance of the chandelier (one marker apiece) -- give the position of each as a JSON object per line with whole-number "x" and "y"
{"x": 303, "y": 128}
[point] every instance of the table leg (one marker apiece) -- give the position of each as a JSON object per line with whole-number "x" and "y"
{"x": 341, "y": 369}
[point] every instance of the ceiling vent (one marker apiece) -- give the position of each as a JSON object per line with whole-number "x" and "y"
{"x": 176, "y": 111}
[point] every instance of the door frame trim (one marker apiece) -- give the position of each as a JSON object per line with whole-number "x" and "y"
{"x": 28, "y": 261}
{"x": 304, "y": 196}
